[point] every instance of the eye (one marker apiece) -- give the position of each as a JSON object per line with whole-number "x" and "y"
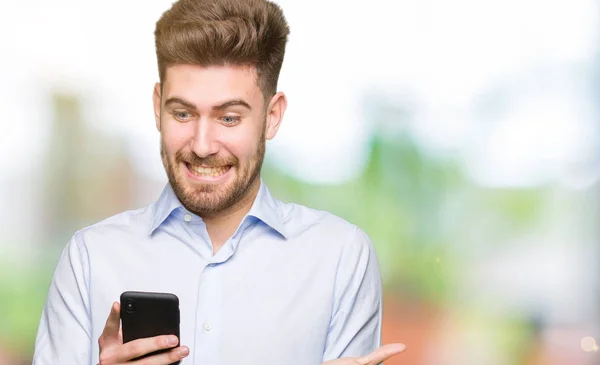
{"x": 182, "y": 116}
{"x": 229, "y": 119}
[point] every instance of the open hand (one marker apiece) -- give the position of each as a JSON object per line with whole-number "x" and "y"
{"x": 381, "y": 354}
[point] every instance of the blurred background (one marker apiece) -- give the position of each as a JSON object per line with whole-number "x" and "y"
{"x": 463, "y": 136}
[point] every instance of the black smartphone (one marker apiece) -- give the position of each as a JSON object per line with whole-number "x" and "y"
{"x": 147, "y": 314}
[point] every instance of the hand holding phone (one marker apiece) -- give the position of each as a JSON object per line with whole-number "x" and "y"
{"x": 113, "y": 351}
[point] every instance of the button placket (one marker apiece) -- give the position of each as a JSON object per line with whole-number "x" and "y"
{"x": 208, "y": 319}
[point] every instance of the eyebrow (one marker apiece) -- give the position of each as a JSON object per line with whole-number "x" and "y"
{"x": 179, "y": 101}
{"x": 222, "y": 106}
{"x": 230, "y": 103}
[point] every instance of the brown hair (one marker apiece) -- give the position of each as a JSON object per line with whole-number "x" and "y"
{"x": 224, "y": 32}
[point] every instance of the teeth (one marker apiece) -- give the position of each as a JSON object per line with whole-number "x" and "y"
{"x": 208, "y": 171}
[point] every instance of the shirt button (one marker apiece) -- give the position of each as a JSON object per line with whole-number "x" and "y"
{"x": 187, "y": 218}
{"x": 207, "y": 327}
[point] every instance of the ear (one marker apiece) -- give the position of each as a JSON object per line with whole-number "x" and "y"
{"x": 275, "y": 112}
{"x": 156, "y": 99}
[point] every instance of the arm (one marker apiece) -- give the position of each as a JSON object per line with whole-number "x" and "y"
{"x": 64, "y": 333}
{"x": 355, "y": 326}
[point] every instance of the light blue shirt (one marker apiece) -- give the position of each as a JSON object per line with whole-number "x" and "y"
{"x": 293, "y": 285}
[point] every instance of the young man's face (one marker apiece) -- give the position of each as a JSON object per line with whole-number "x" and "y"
{"x": 213, "y": 123}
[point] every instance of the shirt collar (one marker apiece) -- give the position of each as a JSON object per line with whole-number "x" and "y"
{"x": 167, "y": 202}
{"x": 266, "y": 208}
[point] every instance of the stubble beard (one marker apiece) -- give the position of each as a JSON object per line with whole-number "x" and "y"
{"x": 208, "y": 200}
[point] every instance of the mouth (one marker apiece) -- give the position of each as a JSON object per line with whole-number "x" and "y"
{"x": 207, "y": 172}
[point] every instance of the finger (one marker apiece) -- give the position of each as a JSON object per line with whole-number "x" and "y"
{"x": 381, "y": 354}
{"x": 113, "y": 323}
{"x": 165, "y": 358}
{"x": 144, "y": 346}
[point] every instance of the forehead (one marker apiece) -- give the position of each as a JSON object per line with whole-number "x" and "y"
{"x": 208, "y": 86}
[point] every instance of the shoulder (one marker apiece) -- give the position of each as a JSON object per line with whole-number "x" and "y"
{"x": 346, "y": 249}
{"x": 324, "y": 226}
{"x": 130, "y": 223}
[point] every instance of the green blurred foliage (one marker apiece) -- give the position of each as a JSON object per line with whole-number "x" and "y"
{"x": 23, "y": 290}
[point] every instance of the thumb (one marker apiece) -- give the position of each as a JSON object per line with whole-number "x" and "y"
{"x": 381, "y": 354}
{"x": 113, "y": 324}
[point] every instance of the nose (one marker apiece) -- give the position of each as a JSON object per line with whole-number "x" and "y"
{"x": 205, "y": 141}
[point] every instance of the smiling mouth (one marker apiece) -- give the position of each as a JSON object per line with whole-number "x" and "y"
{"x": 208, "y": 171}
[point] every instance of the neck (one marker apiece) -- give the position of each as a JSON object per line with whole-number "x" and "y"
{"x": 222, "y": 226}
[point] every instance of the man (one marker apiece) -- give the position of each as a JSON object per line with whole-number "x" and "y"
{"x": 259, "y": 281}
